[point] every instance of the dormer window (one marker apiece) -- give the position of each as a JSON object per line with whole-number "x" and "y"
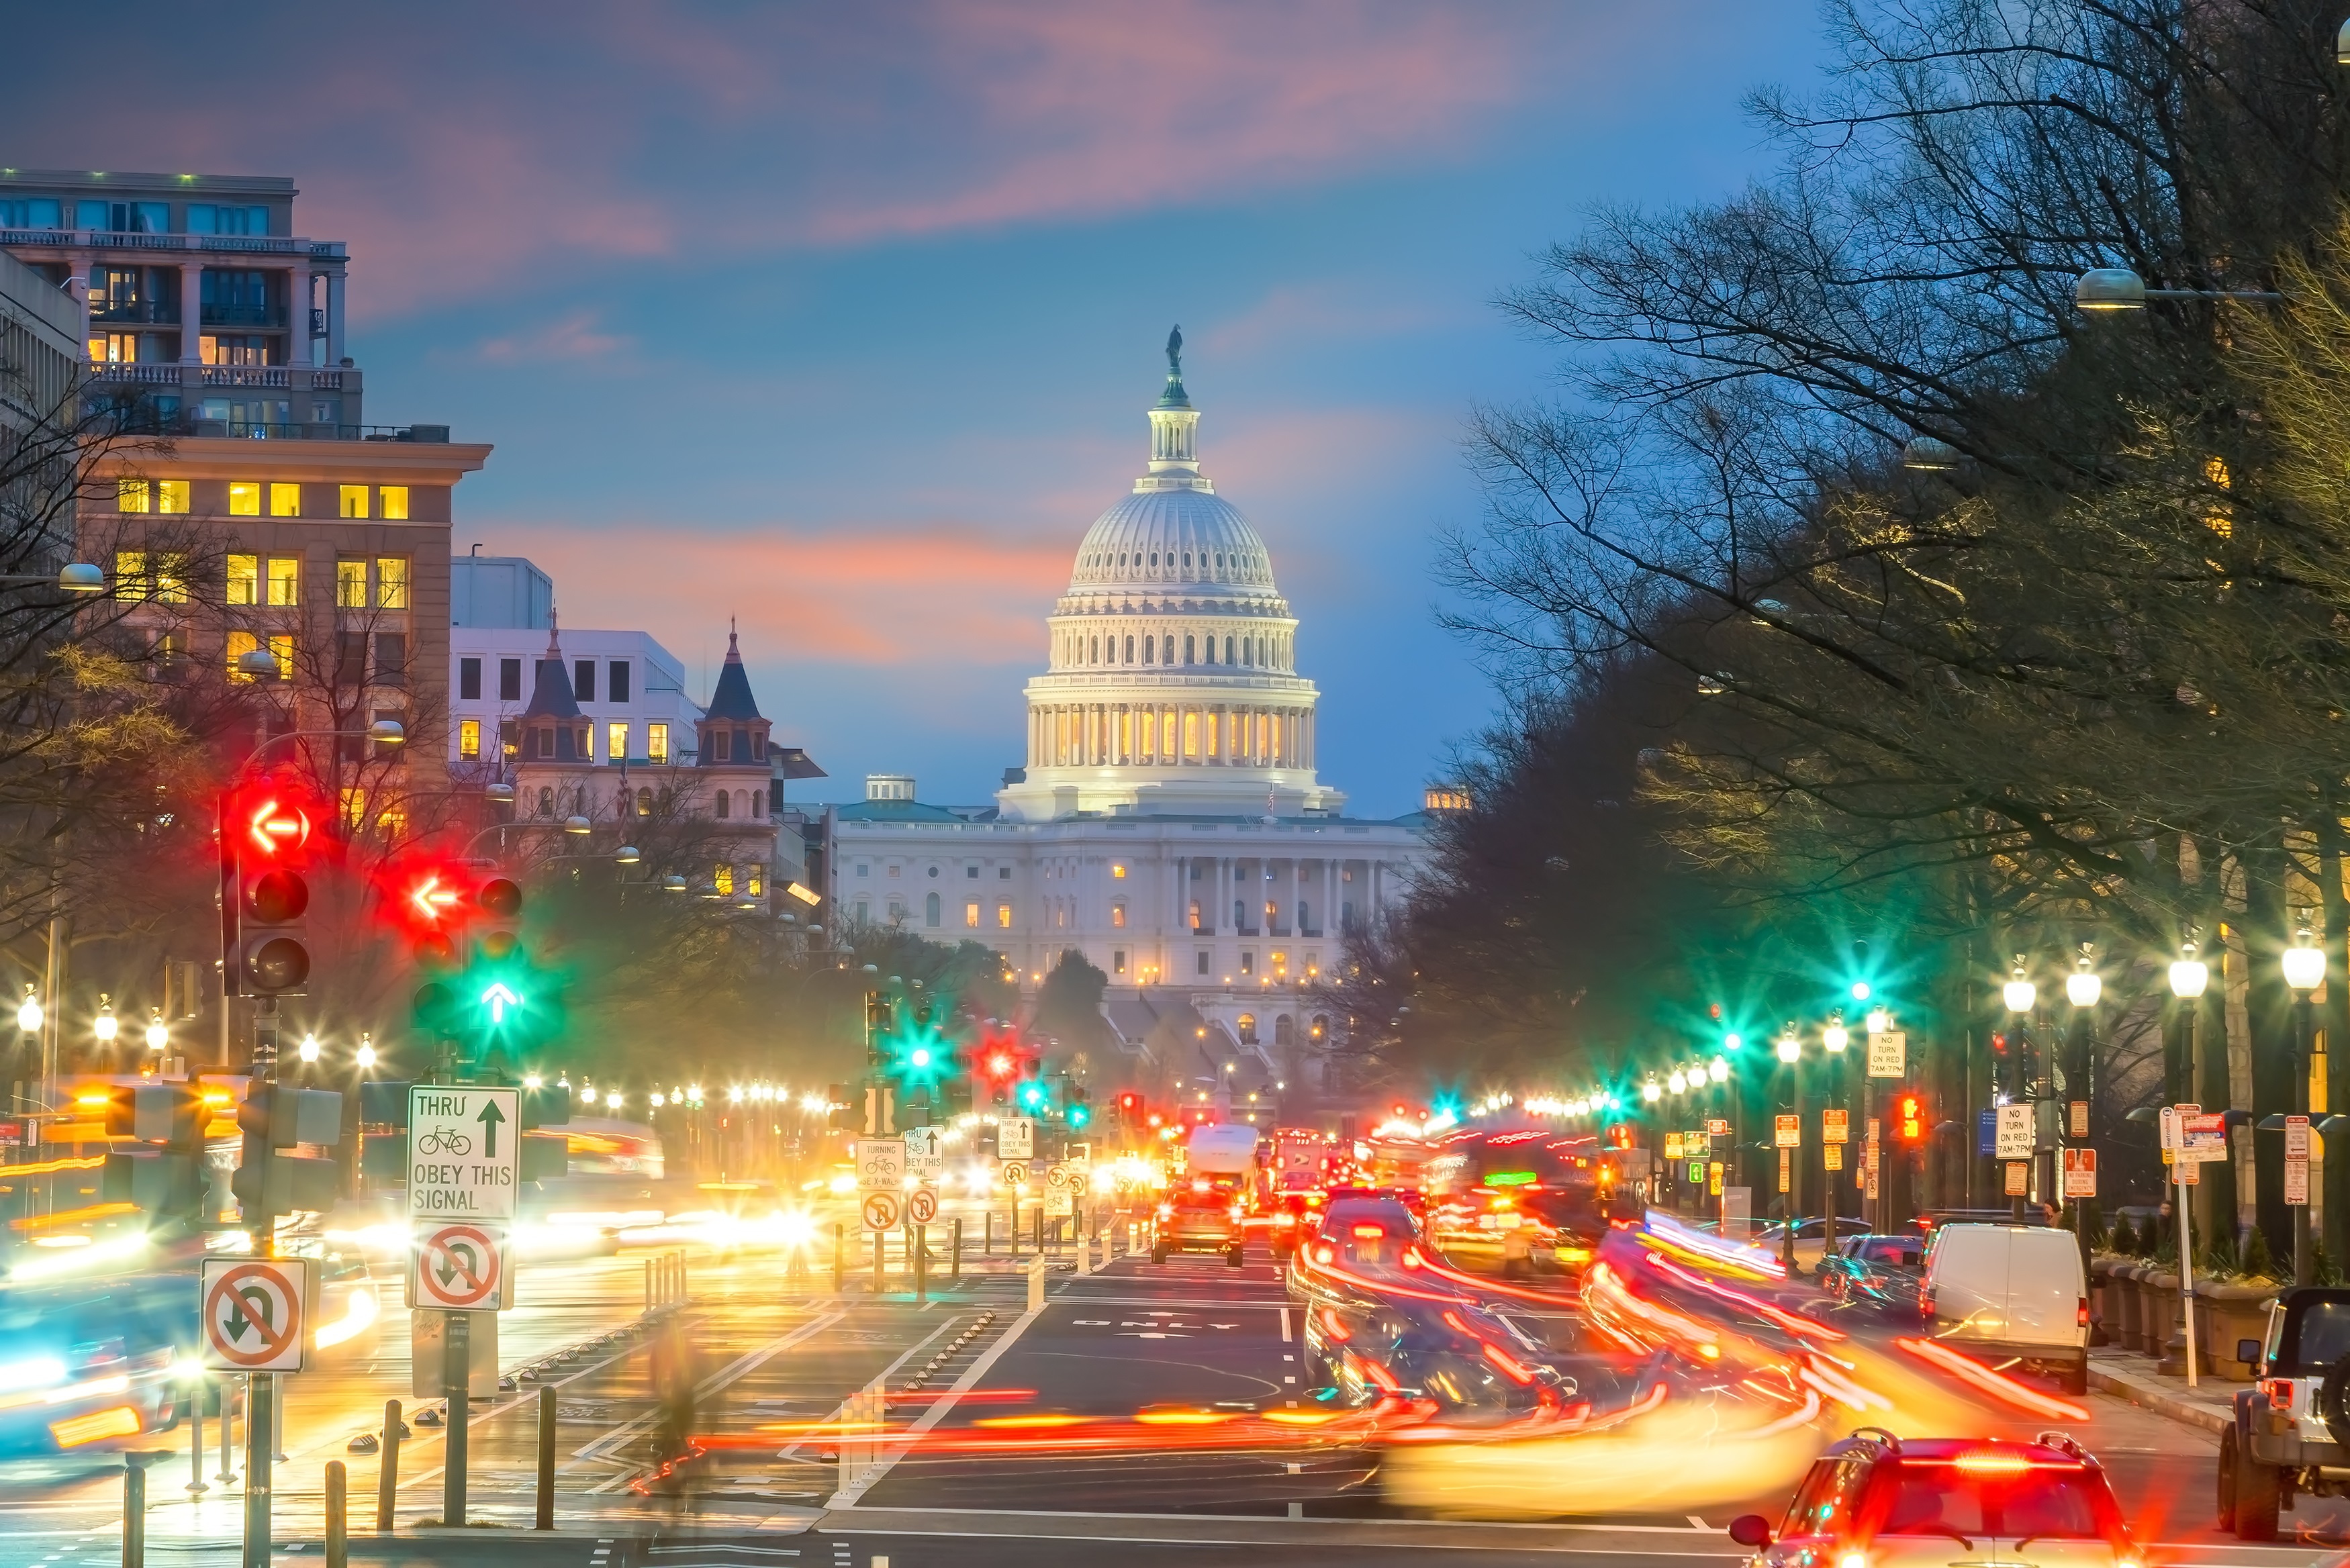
{"x": 719, "y": 741}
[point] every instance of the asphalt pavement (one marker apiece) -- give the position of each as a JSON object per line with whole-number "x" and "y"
{"x": 1090, "y": 1427}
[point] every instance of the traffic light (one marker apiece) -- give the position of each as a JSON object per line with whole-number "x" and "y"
{"x": 1130, "y": 1110}
{"x": 878, "y": 1020}
{"x": 273, "y": 1116}
{"x": 1909, "y": 1117}
{"x": 266, "y": 851}
{"x": 165, "y": 1182}
{"x": 1074, "y": 1109}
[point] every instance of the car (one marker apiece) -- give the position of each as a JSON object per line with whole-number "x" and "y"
{"x": 2291, "y": 1431}
{"x": 2010, "y": 1293}
{"x": 1879, "y": 1270}
{"x": 1904, "y": 1502}
{"x": 1290, "y": 1216}
{"x": 1202, "y": 1215}
{"x": 1811, "y": 1236}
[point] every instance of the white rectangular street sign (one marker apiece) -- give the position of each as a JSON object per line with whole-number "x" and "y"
{"x": 1015, "y": 1138}
{"x": 2012, "y": 1139}
{"x": 2296, "y": 1139}
{"x": 460, "y": 1268}
{"x": 257, "y": 1312}
{"x": 1889, "y": 1054}
{"x": 464, "y": 1152}
{"x": 2297, "y": 1183}
{"x": 925, "y": 1154}
{"x": 881, "y": 1164}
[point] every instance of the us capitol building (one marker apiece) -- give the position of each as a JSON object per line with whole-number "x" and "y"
{"x": 1169, "y": 823}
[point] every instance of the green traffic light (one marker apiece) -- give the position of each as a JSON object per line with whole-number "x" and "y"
{"x": 1077, "y": 1115}
{"x": 920, "y": 1056}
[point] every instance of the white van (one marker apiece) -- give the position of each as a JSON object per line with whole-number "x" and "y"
{"x": 2008, "y": 1293}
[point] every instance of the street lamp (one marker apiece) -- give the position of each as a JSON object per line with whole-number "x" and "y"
{"x": 1928, "y": 454}
{"x": 1677, "y": 1082}
{"x": 2019, "y": 993}
{"x": 2083, "y": 986}
{"x": 1835, "y": 1036}
{"x": 77, "y": 577}
{"x": 2108, "y": 289}
{"x": 1718, "y": 1070}
{"x": 1789, "y": 1047}
{"x": 104, "y": 1026}
{"x": 309, "y": 1048}
{"x": 1650, "y": 1093}
{"x": 159, "y": 1034}
{"x": 30, "y": 1014}
{"x": 1791, "y": 1053}
{"x": 366, "y": 1055}
{"x": 2304, "y": 970}
{"x": 1880, "y": 1021}
{"x": 2189, "y": 974}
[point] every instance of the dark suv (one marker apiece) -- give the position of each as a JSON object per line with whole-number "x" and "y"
{"x": 1904, "y": 1503}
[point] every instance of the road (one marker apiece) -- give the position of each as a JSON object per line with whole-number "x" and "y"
{"x": 1087, "y": 1427}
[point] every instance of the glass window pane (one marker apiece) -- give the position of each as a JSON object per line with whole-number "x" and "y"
{"x": 284, "y": 579}
{"x": 469, "y": 741}
{"x": 395, "y": 503}
{"x": 286, "y": 500}
{"x": 657, "y": 743}
{"x": 355, "y": 499}
{"x": 131, "y": 574}
{"x": 244, "y": 498}
{"x": 392, "y": 582}
{"x": 616, "y": 741}
{"x": 240, "y": 643}
{"x": 172, "y": 495}
{"x": 130, "y": 495}
{"x": 244, "y": 580}
{"x": 350, "y": 585}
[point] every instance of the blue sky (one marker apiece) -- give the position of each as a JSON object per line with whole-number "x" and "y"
{"x": 841, "y": 321}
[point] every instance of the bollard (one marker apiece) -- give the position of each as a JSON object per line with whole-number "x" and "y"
{"x": 1085, "y": 1256}
{"x": 921, "y": 1250}
{"x": 545, "y": 1459}
{"x": 1012, "y": 1228}
{"x": 836, "y": 1259}
{"x": 987, "y": 1232}
{"x": 1037, "y": 1221}
{"x": 196, "y": 1487}
{"x": 649, "y": 1284}
{"x": 339, "y": 1522}
{"x": 134, "y": 1511}
{"x": 880, "y": 1239}
{"x": 954, "y": 1254}
{"x": 227, "y": 1413}
{"x": 387, "y": 1475}
{"x": 684, "y": 1282}
{"x": 1036, "y": 1284}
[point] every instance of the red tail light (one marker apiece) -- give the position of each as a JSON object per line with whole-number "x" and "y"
{"x": 2080, "y": 1314}
{"x": 1370, "y": 1232}
{"x": 2280, "y": 1392}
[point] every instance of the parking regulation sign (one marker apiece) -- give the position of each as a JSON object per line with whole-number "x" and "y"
{"x": 459, "y": 1268}
{"x": 255, "y": 1313}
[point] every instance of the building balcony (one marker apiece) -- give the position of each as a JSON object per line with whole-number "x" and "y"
{"x": 134, "y": 312}
{"x": 205, "y": 245}
{"x": 267, "y": 317}
{"x": 168, "y": 373}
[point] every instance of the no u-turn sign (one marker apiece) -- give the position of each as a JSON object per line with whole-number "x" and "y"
{"x": 255, "y": 1313}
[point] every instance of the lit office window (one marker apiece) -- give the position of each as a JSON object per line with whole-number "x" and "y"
{"x": 172, "y": 495}
{"x": 657, "y": 743}
{"x": 395, "y": 503}
{"x": 469, "y": 740}
{"x": 970, "y": 914}
{"x": 244, "y": 581}
{"x": 616, "y": 741}
{"x": 350, "y": 585}
{"x": 355, "y": 499}
{"x": 239, "y": 644}
{"x": 131, "y": 574}
{"x": 172, "y": 579}
{"x": 286, "y": 500}
{"x": 131, "y": 495}
{"x": 392, "y": 582}
{"x": 284, "y": 579}
{"x": 244, "y": 498}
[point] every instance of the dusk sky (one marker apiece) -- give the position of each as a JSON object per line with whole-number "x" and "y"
{"x": 841, "y": 320}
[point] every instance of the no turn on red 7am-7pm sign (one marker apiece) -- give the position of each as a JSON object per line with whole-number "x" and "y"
{"x": 255, "y": 1313}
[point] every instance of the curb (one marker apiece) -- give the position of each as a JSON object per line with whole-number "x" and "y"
{"x": 2160, "y": 1400}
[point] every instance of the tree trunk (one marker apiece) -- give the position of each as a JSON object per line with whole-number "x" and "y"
{"x": 2268, "y": 1013}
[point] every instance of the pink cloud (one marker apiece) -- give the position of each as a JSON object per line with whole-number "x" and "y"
{"x": 573, "y": 337}
{"x": 855, "y": 594}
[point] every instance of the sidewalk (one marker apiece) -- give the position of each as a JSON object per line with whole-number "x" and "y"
{"x": 2133, "y": 1377}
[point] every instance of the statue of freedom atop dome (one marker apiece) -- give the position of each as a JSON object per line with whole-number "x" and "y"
{"x": 1175, "y": 353}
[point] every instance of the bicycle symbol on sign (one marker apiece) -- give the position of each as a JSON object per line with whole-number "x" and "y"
{"x": 442, "y": 1142}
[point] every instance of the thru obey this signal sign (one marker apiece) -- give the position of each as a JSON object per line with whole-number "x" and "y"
{"x": 459, "y": 1268}
{"x": 255, "y": 1313}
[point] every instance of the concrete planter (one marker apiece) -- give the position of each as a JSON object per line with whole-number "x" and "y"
{"x": 2123, "y": 1310}
{"x": 2165, "y": 1320}
{"x": 2101, "y": 1298}
{"x": 2225, "y": 1315}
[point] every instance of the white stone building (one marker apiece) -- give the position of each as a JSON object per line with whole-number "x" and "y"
{"x": 1169, "y": 823}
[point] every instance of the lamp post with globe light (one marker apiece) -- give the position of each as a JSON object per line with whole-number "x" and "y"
{"x": 1835, "y": 1039}
{"x": 1791, "y": 1056}
{"x": 2023, "y": 998}
{"x": 2304, "y": 971}
{"x": 2082, "y": 988}
{"x": 2189, "y": 978}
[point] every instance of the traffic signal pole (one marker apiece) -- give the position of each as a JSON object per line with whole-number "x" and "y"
{"x": 260, "y": 1387}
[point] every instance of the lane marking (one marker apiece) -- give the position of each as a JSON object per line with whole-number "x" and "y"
{"x": 851, "y": 1491}
{"x": 603, "y": 1448}
{"x": 1285, "y": 1334}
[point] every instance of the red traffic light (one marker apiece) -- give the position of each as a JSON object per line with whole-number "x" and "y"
{"x": 273, "y": 825}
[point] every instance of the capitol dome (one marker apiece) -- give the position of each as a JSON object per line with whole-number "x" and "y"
{"x": 1172, "y": 684}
